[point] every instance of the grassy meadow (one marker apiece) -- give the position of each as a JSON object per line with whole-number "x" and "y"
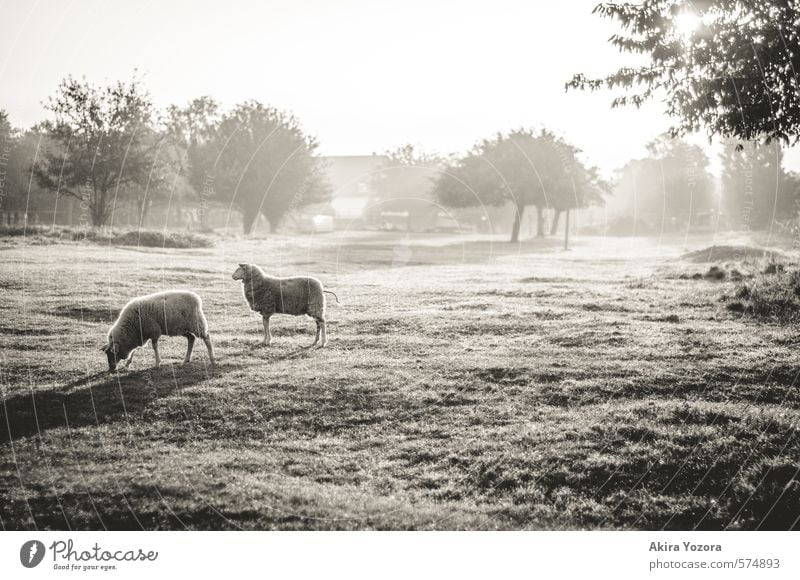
{"x": 468, "y": 384}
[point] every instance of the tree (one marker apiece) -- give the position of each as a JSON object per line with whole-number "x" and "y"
{"x": 195, "y": 124}
{"x": 191, "y": 130}
{"x": 102, "y": 144}
{"x": 586, "y": 187}
{"x": 8, "y": 177}
{"x": 524, "y": 168}
{"x": 18, "y": 149}
{"x": 791, "y": 189}
{"x": 405, "y": 182}
{"x": 264, "y": 164}
{"x": 668, "y": 188}
{"x": 5, "y": 126}
{"x": 755, "y": 188}
{"x": 729, "y": 66}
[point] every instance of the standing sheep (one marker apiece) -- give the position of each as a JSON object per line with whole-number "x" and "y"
{"x": 171, "y": 313}
{"x": 268, "y": 295}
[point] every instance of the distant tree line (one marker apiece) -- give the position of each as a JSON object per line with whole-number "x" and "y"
{"x": 107, "y": 146}
{"x": 665, "y": 190}
{"x": 757, "y": 192}
{"x": 671, "y": 188}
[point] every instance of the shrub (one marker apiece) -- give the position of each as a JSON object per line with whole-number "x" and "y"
{"x": 149, "y": 238}
{"x": 13, "y": 231}
{"x": 775, "y": 296}
{"x": 774, "y": 268}
{"x": 161, "y": 239}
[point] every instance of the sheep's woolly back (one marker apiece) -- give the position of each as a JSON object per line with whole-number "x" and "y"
{"x": 270, "y": 295}
{"x": 171, "y": 313}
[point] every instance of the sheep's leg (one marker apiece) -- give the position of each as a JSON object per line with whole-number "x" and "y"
{"x": 190, "y": 338}
{"x": 320, "y": 333}
{"x": 207, "y": 340}
{"x": 267, "y": 333}
{"x": 155, "y": 350}
{"x": 316, "y": 338}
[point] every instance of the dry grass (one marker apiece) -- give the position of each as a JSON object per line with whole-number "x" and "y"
{"x": 43, "y": 235}
{"x": 466, "y": 385}
{"x": 773, "y": 295}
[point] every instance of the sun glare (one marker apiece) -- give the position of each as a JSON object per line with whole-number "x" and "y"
{"x": 686, "y": 23}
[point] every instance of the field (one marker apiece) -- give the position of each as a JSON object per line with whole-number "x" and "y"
{"x": 468, "y": 384}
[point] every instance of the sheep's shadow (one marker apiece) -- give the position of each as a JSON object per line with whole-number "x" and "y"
{"x": 299, "y": 352}
{"x": 296, "y": 353}
{"x": 276, "y": 352}
{"x": 94, "y": 399}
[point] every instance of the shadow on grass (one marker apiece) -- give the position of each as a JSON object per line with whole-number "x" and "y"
{"x": 87, "y": 314}
{"x": 13, "y": 331}
{"x": 279, "y": 351}
{"x": 302, "y": 352}
{"x": 93, "y": 399}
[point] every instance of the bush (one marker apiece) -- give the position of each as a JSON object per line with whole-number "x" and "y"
{"x": 774, "y": 268}
{"x": 13, "y": 231}
{"x": 161, "y": 239}
{"x": 775, "y": 296}
{"x": 148, "y": 238}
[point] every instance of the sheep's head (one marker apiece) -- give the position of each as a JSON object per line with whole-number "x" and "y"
{"x": 115, "y": 353}
{"x": 242, "y": 272}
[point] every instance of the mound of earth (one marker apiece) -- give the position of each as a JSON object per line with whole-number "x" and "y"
{"x": 731, "y": 254}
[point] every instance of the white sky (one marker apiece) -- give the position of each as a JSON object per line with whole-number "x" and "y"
{"x": 362, "y": 76}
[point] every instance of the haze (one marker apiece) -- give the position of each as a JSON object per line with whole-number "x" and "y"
{"x": 361, "y": 76}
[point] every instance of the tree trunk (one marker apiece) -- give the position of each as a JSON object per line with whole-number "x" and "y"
{"x": 517, "y": 222}
{"x": 539, "y": 222}
{"x": 98, "y": 212}
{"x": 554, "y": 225}
{"x": 144, "y": 206}
{"x": 566, "y": 231}
{"x": 98, "y": 206}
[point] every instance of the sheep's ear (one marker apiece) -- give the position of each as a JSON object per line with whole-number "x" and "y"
{"x": 243, "y": 265}
{"x": 104, "y": 348}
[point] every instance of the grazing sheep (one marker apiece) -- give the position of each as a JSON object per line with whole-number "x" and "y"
{"x": 171, "y": 313}
{"x": 268, "y": 295}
